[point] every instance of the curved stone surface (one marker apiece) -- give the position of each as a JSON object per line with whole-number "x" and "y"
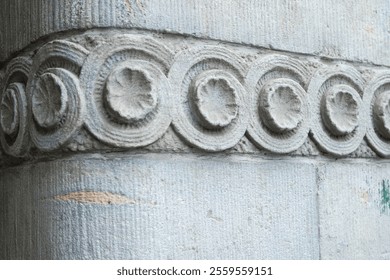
{"x": 194, "y": 129}
{"x": 14, "y": 108}
{"x": 326, "y": 28}
{"x": 159, "y": 208}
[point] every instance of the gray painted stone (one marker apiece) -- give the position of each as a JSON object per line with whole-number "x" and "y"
{"x": 160, "y": 207}
{"x": 198, "y": 130}
{"x": 354, "y": 210}
{"x": 348, "y": 29}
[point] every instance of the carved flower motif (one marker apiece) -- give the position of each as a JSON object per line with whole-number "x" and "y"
{"x": 340, "y": 110}
{"x": 382, "y": 114}
{"x": 216, "y": 101}
{"x": 9, "y": 111}
{"x": 49, "y": 101}
{"x": 129, "y": 94}
{"x": 281, "y": 105}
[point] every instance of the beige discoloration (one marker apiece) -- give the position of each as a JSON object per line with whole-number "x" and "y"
{"x": 139, "y": 4}
{"x": 128, "y": 5}
{"x": 103, "y": 198}
{"x": 365, "y": 197}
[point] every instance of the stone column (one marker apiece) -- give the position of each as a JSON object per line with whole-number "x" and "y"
{"x": 147, "y": 129}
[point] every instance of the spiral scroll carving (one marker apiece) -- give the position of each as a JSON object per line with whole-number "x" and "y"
{"x": 338, "y": 124}
{"x": 14, "y": 108}
{"x": 56, "y": 97}
{"x": 377, "y": 103}
{"x": 126, "y": 91}
{"x": 211, "y": 109}
{"x": 278, "y": 107}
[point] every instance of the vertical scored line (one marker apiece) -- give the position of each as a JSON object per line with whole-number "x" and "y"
{"x": 112, "y": 20}
{"x": 100, "y": 20}
{"x": 318, "y": 181}
{"x": 94, "y": 8}
{"x": 45, "y": 16}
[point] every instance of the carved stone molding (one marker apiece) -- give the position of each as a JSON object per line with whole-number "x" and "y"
{"x": 104, "y": 91}
{"x": 278, "y": 106}
{"x": 339, "y": 119}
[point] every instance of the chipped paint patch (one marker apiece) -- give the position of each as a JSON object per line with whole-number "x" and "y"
{"x": 103, "y": 198}
{"x": 384, "y": 192}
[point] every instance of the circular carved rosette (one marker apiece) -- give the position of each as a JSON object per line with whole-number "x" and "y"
{"x": 338, "y": 125}
{"x": 56, "y": 98}
{"x": 14, "y": 109}
{"x": 377, "y": 103}
{"x": 211, "y": 112}
{"x": 128, "y": 91}
{"x": 278, "y": 106}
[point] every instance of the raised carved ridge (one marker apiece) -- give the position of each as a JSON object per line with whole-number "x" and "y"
{"x": 126, "y": 91}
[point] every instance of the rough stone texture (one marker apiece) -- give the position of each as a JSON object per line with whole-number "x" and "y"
{"x": 354, "y": 205}
{"x": 194, "y": 129}
{"x": 348, "y": 29}
{"x": 159, "y": 207}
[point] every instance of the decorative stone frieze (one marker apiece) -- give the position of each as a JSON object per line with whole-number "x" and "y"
{"x": 338, "y": 116}
{"x": 211, "y": 111}
{"x": 126, "y": 91}
{"x": 278, "y": 103}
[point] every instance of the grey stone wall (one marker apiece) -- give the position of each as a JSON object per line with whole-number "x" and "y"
{"x": 194, "y": 130}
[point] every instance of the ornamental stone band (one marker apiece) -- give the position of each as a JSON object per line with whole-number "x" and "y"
{"x": 126, "y": 91}
{"x": 171, "y": 138}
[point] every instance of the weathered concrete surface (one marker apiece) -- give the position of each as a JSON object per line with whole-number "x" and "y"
{"x": 199, "y": 205}
{"x": 354, "y": 208}
{"x": 349, "y": 29}
{"x": 160, "y": 207}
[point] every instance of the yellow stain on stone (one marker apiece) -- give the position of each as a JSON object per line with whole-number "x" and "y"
{"x": 103, "y": 198}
